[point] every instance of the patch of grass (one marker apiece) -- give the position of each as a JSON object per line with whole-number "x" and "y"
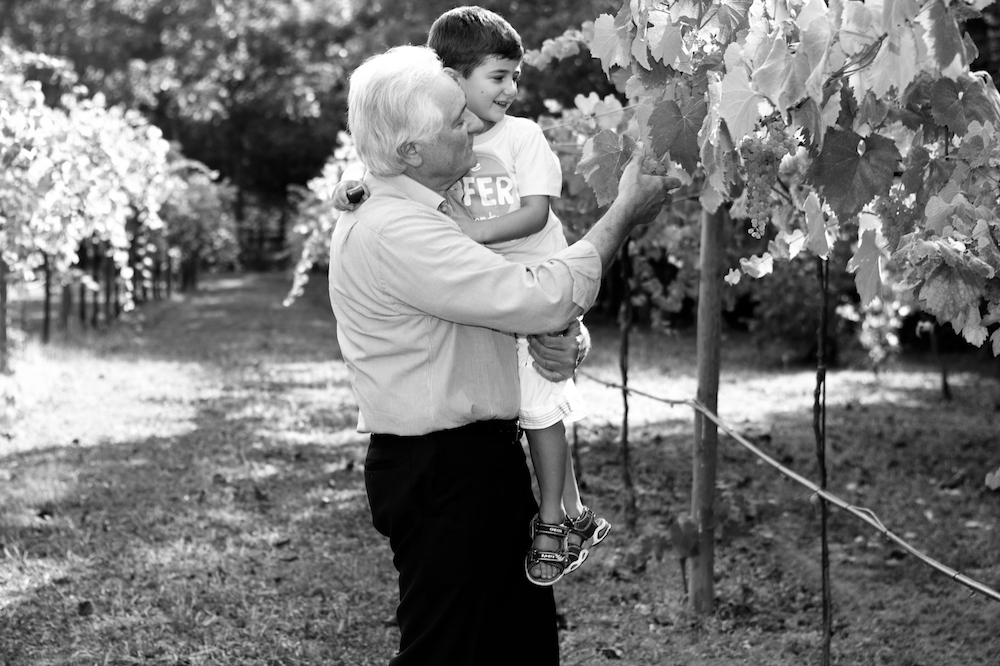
{"x": 186, "y": 488}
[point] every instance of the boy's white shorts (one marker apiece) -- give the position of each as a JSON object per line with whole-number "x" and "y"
{"x": 544, "y": 403}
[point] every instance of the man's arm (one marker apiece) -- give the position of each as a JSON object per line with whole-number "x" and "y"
{"x": 557, "y": 356}
{"x": 455, "y": 279}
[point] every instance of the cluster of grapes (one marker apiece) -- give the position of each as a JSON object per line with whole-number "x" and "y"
{"x": 653, "y": 166}
{"x": 761, "y": 157}
{"x": 896, "y": 215}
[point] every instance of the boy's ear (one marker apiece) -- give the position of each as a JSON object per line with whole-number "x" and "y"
{"x": 453, "y": 73}
{"x": 411, "y": 155}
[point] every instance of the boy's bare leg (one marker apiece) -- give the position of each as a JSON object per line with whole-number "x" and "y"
{"x": 572, "y": 503}
{"x": 549, "y": 455}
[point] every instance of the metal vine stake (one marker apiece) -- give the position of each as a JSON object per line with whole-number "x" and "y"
{"x": 630, "y": 510}
{"x": 819, "y": 429}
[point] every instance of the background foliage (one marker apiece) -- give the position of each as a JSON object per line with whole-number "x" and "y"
{"x": 255, "y": 91}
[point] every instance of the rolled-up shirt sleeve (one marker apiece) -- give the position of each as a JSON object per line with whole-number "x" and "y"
{"x": 431, "y": 266}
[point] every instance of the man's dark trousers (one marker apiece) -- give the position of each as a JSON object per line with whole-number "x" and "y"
{"x": 456, "y": 506}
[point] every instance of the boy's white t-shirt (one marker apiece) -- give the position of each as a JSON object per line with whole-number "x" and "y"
{"x": 515, "y": 161}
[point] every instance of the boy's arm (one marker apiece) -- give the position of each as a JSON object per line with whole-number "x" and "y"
{"x": 530, "y": 218}
{"x": 350, "y": 179}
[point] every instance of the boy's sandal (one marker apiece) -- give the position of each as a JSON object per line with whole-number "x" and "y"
{"x": 537, "y": 556}
{"x": 591, "y": 530}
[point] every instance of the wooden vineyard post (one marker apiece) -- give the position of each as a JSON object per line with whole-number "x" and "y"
{"x": 701, "y": 592}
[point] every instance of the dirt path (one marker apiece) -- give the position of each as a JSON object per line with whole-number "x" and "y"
{"x": 186, "y": 489}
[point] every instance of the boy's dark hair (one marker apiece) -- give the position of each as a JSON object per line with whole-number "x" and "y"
{"x": 466, "y": 36}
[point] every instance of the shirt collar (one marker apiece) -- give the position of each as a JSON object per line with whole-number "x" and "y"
{"x": 411, "y": 189}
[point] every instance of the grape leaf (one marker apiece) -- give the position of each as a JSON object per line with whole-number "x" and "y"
{"x": 914, "y": 167}
{"x": 740, "y": 105}
{"x": 758, "y": 267}
{"x": 958, "y": 103}
{"x": 609, "y": 43}
{"x": 604, "y": 158}
{"x": 947, "y": 47}
{"x": 782, "y": 76}
{"x": 831, "y": 111}
{"x": 666, "y": 43}
{"x": 993, "y": 478}
{"x": 818, "y": 42}
{"x": 948, "y": 295}
{"x": 898, "y": 12}
{"x": 859, "y": 27}
{"x": 939, "y": 212}
{"x": 732, "y": 18}
{"x": 710, "y": 198}
{"x": 981, "y": 146}
{"x": 872, "y": 111}
{"x": 851, "y": 171}
{"x": 866, "y": 264}
{"x": 675, "y": 130}
{"x": 894, "y": 67}
{"x": 951, "y": 282}
{"x": 809, "y": 117}
{"x": 818, "y": 242}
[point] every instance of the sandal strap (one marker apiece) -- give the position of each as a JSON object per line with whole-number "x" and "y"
{"x": 559, "y": 531}
{"x": 536, "y": 556}
{"x": 584, "y": 524}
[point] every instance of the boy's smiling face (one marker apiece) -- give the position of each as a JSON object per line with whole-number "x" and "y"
{"x": 491, "y": 87}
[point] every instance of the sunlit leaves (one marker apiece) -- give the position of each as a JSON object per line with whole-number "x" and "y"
{"x": 80, "y": 171}
{"x": 891, "y": 127}
{"x": 740, "y": 104}
{"x": 731, "y": 19}
{"x": 866, "y": 264}
{"x": 610, "y": 43}
{"x": 782, "y": 76}
{"x": 666, "y": 43}
{"x": 860, "y": 27}
{"x": 758, "y": 266}
{"x": 993, "y": 478}
{"x": 819, "y": 238}
{"x": 947, "y": 50}
{"x": 894, "y": 67}
{"x": 949, "y": 281}
{"x": 852, "y": 170}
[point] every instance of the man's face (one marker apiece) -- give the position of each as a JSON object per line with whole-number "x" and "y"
{"x": 491, "y": 88}
{"x": 448, "y": 155}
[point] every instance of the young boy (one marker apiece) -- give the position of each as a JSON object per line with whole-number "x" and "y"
{"x": 508, "y": 193}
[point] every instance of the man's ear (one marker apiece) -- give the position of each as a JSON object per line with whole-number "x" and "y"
{"x": 410, "y": 154}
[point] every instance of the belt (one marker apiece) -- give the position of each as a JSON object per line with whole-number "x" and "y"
{"x": 501, "y": 428}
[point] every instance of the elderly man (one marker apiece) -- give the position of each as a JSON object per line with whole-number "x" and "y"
{"x": 425, "y": 321}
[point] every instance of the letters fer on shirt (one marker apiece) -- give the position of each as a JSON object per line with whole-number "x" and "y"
{"x": 488, "y": 190}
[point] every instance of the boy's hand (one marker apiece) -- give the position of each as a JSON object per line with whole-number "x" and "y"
{"x": 349, "y": 194}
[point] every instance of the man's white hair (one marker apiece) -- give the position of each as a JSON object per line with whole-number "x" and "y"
{"x": 390, "y": 105}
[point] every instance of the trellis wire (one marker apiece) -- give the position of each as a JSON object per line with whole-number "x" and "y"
{"x": 867, "y": 515}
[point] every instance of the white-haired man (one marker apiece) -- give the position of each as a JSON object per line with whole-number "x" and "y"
{"x": 425, "y": 321}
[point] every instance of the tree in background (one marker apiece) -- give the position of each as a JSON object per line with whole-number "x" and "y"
{"x": 256, "y": 89}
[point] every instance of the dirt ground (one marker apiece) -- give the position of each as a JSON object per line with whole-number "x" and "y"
{"x": 186, "y": 488}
